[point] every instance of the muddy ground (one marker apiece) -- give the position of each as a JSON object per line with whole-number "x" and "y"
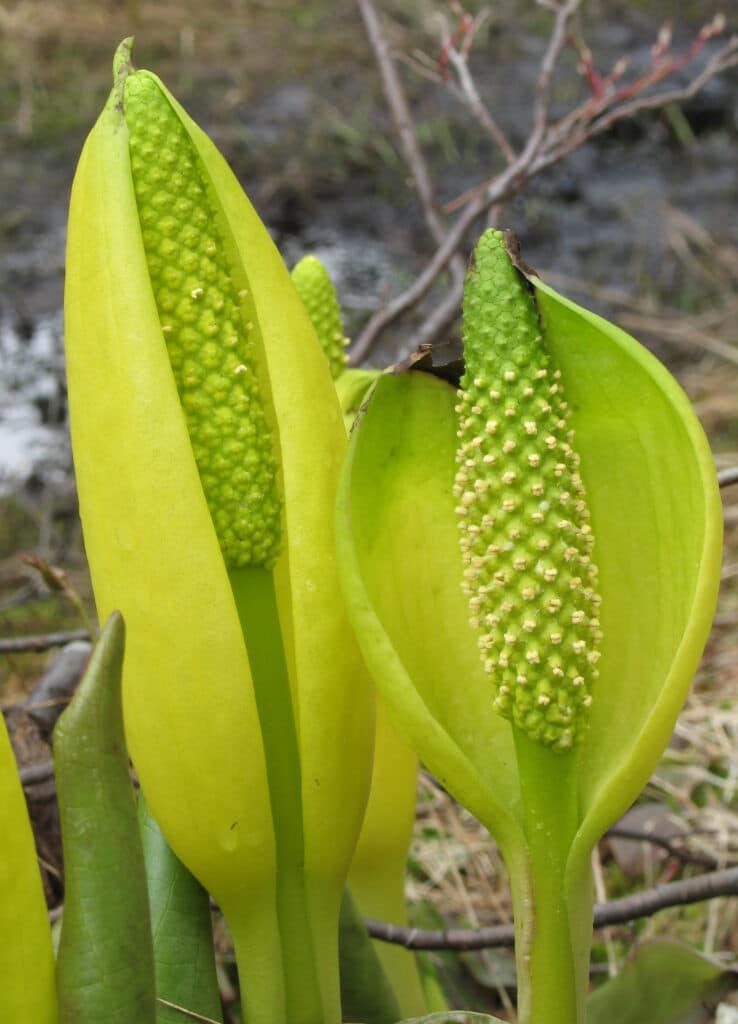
{"x": 290, "y": 93}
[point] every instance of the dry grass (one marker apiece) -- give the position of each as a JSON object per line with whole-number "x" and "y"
{"x": 56, "y": 59}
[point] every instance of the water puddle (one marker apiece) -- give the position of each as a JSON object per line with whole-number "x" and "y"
{"x": 34, "y": 442}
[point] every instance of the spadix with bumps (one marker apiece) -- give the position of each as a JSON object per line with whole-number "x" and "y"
{"x": 531, "y": 561}
{"x": 525, "y": 532}
{"x": 318, "y": 293}
{"x": 208, "y": 321}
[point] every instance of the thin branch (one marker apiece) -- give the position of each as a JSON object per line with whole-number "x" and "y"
{"x": 670, "y": 329}
{"x": 546, "y": 145}
{"x": 629, "y": 908}
{"x": 36, "y": 773}
{"x": 442, "y": 316}
{"x": 499, "y": 190}
{"x": 670, "y": 845}
{"x": 725, "y": 58}
{"x": 564, "y": 14}
{"x": 465, "y": 89}
{"x": 37, "y": 644}
{"x": 726, "y": 477}
{"x": 403, "y": 122}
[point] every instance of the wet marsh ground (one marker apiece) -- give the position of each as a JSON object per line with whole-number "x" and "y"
{"x": 640, "y": 226}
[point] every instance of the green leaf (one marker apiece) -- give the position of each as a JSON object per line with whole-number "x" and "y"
{"x": 366, "y": 993}
{"x": 657, "y": 521}
{"x": 184, "y": 957}
{"x": 105, "y": 967}
{"x": 353, "y": 386}
{"x": 656, "y": 518}
{"x": 664, "y": 983}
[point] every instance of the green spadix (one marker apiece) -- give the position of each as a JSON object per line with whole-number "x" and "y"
{"x": 377, "y": 875}
{"x": 542, "y": 687}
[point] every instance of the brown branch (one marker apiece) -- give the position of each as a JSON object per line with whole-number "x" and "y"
{"x": 465, "y": 89}
{"x": 669, "y": 844}
{"x": 37, "y": 644}
{"x": 441, "y": 317}
{"x": 36, "y": 773}
{"x": 601, "y": 121}
{"x": 564, "y": 14}
{"x": 192, "y": 1014}
{"x": 546, "y": 145}
{"x": 629, "y": 908}
{"x": 404, "y": 125}
{"x": 726, "y": 477}
{"x": 498, "y": 190}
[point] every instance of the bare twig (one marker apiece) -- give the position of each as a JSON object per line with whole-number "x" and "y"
{"x": 669, "y": 844}
{"x": 564, "y": 14}
{"x": 725, "y": 58}
{"x": 546, "y": 144}
{"x": 442, "y": 316}
{"x": 403, "y": 122}
{"x": 465, "y": 88}
{"x": 502, "y": 188}
{"x": 37, "y": 644}
{"x": 36, "y": 773}
{"x": 726, "y": 477}
{"x": 629, "y": 908}
{"x": 681, "y": 332}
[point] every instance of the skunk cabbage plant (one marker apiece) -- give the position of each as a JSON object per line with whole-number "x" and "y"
{"x": 531, "y": 566}
{"x": 208, "y": 441}
{"x": 377, "y": 875}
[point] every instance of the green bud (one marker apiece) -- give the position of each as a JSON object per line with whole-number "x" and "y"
{"x": 316, "y": 290}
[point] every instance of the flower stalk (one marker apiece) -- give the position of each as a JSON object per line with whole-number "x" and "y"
{"x": 377, "y": 875}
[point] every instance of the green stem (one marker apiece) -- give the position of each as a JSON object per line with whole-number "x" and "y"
{"x": 366, "y": 991}
{"x": 547, "y": 982}
{"x": 253, "y": 589}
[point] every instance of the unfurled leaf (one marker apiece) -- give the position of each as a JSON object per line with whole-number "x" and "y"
{"x": 637, "y": 455}
{"x": 664, "y": 983}
{"x": 105, "y": 965}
